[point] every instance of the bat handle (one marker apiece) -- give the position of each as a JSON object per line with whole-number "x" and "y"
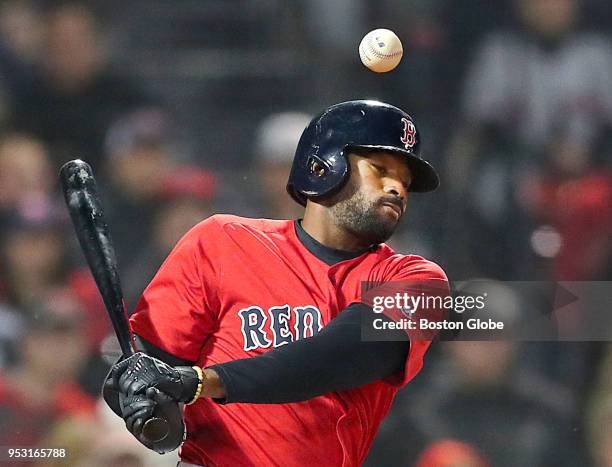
{"x": 124, "y": 335}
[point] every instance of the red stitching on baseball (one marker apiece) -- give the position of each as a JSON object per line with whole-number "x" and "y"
{"x": 380, "y": 54}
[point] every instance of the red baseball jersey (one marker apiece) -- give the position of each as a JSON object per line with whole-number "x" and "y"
{"x": 234, "y": 288}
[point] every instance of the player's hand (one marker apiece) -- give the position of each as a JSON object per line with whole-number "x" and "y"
{"x": 135, "y": 411}
{"x": 140, "y": 372}
{"x": 138, "y": 409}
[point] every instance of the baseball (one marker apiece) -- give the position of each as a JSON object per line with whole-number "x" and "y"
{"x": 380, "y": 50}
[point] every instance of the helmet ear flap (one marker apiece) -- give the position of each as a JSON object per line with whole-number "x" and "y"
{"x": 317, "y": 166}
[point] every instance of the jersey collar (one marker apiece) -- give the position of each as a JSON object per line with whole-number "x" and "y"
{"x": 328, "y": 255}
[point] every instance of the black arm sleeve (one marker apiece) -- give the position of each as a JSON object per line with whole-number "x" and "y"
{"x": 335, "y": 359}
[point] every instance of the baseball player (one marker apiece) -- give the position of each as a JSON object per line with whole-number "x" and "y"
{"x": 255, "y": 324}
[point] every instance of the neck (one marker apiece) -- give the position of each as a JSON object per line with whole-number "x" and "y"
{"x": 320, "y": 225}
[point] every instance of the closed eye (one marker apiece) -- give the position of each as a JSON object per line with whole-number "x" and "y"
{"x": 380, "y": 169}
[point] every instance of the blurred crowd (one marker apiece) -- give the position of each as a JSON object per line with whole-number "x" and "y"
{"x": 514, "y": 101}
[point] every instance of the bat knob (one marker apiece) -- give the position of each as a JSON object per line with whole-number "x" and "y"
{"x": 76, "y": 174}
{"x": 155, "y": 429}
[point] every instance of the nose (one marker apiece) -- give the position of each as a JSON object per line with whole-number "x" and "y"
{"x": 395, "y": 188}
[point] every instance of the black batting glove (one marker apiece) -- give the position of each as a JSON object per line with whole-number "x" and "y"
{"x": 140, "y": 372}
{"x": 136, "y": 410}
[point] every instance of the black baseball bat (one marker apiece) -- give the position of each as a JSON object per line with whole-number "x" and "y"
{"x": 81, "y": 195}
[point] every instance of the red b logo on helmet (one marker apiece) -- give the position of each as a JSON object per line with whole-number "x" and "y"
{"x": 409, "y": 133}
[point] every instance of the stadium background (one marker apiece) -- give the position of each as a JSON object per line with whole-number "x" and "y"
{"x": 191, "y": 107}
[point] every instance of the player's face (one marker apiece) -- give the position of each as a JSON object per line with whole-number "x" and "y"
{"x": 374, "y": 200}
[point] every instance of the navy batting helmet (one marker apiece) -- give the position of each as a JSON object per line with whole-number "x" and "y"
{"x": 321, "y": 167}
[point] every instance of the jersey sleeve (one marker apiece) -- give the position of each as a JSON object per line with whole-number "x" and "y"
{"x": 424, "y": 280}
{"x": 178, "y": 309}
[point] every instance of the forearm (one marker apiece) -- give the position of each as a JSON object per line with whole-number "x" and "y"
{"x": 213, "y": 385}
{"x": 335, "y": 359}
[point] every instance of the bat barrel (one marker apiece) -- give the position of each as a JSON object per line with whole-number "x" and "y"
{"x": 77, "y": 175}
{"x": 81, "y": 195}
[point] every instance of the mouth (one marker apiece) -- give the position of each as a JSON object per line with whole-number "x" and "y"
{"x": 394, "y": 208}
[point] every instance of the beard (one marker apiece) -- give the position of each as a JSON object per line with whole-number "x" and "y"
{"x": 362, "y": 216}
